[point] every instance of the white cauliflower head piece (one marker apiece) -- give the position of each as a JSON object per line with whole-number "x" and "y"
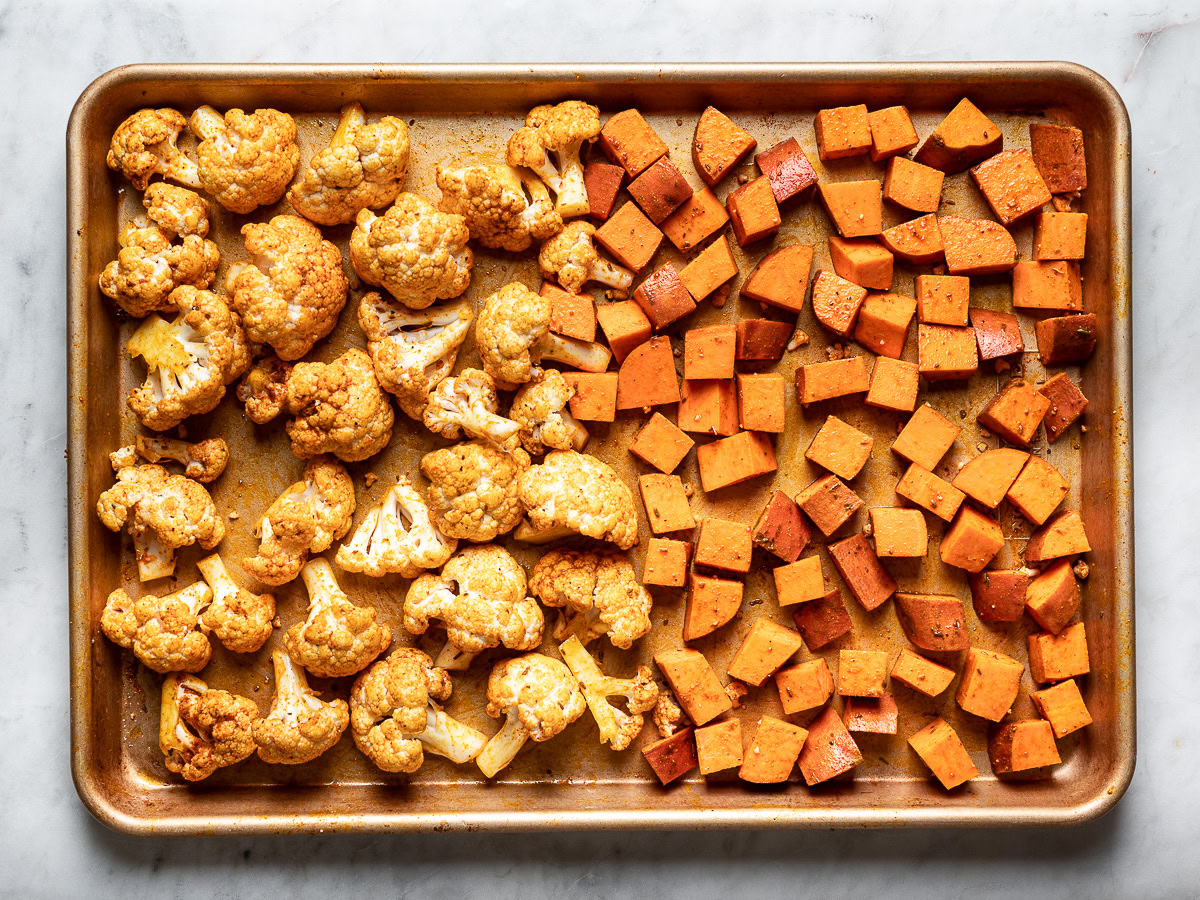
{"x": 338, "y": 408}
{"x": 245, "y": 160}
{"x": 163, "y": 632}
{"x": 240, "y": 619}
{"x": 201, "y": 729}
{"x": 468, "y": 403}
{"x": 572, "y": 260}
{"x": 473, "y": 489}
{"x": 549, "y": 144}
{"x": 504, "y": 208}
{"x": 300, "y": 726}
{"x": 512, "y": 321}
{"x": 598, "y": 592}
{"x": 397, "y": 537}
{"x": 573, "y": 491}
{"x": 338, "y": 637}
{"x": 144, "y": 145}
{"x": 541, "y": 410}
{"x": 203, "y": 460}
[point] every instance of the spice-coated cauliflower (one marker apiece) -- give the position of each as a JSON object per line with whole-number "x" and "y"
{"x": 176, "y": 210}
{"x": 306, "y": 518}
{"x": 504, "y": 208}
{"x": 362, "y": 168}
{"x": 201, "y": 729}
{"x": 144, "y": 146}
{"x": 292, "y": 292}
{"x": 617, "y": 727}
{"x": 467, "y": 402}
{"x": 338, "y": 638}
{"x": 245, "y": 160}
{"x": 473, "y": 490}
{"x": 416, "y": 253}
{"x": 550, "y": 143}
{"x": 541, "y": 410}
{"x": 163, "y": 632}
{"x": 204, "y": 460}
{"x": 241, "y": 620}
{"x": 263, "y": 389}
{"x": 582, "y": 494}
{"x": 668, "y": 716}
{"x": 300, "y": 726}
{"x": 150, "y": 265}
{"x": 397, "y": 537}
{"x": 512, "y": 320}
{"x": 601, "y": 591}
{"x": 338, "y": 408}
{"x": 570, "y": 258}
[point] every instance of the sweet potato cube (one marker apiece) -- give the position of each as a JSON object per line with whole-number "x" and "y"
{"x": 1060, "y": 235}
{"x": 912, "y": 185}
{"x": 625, "y": 327}
{"x": 1057, "y": 657}
{"x": 1047, "y": 285}
{"x": 829, "y": 503}
{"x": 718, "y": 145}
{"x": 672, "y": 757}
{"x": 709, "y": 407}
{"x": 761, "y": 402}
{"x": 842, "y": 132}
{"x": 661, "y": 444}
{"x": 829, "y": 751}
{"x": 894, "y": 385}
{"x": 1021, "y": 746}
{"x": 865, "y": 576}
{"x": 918, "y": 241}
{"x": 724, "y": 545}
{"x": 837, "y": 378}
{"x": 943, "y": 299}
{"x": 1053, "y": 596}
{"x": 787, "y": 169}
{"x": 712, "y": 267}
{"x": 972, "y": 540}
{"x": 571, "y": 314}
{"x": 660, "y": 190}
{"x": 1015, "y": 412}
{"x": 1066, "y": 339}
{"x": 946, "y": 352}
{"x": 773, "y": 751}
{"x": 719, "y": 746}
{"x": 780, "y": 529}
{"x": 666, "y": 562}
{"x": 976, "y": 246}
{"x": 694, "y": 684}
{"x": 926, "y": 437}
{"x": 712, "y": 602}
{"x": 836, "y": 302}
{"x": 987, "y": 477}
{"x": 628, "y": 140}
{"x": 960, "y": 140}
{"x": 804, "y": 686}
{"x": 1067, "y": 404}
{"x": 602, "y": 182}
{"x": 921, "y": 674}
{"x": 1038, "y": 490}
{"x": 930, "y": 492}
{"x": 1063, "y": 536}
{"x": 762, "y": 340}
{"x": 1058, "y": 154}
{"x": 855, "y": 207}
{"x": 899, "y": 532}
{"x": 862, "y": 673}
{"x": 630, "y": 237}
{"x": 1011, "y": 184}
{"x": 892, "y": 132}
{"x": 883, "y": 321}
{"x": 932, "y": 622}
{"x": 595, "y": 397}
{"x": 647, "y": 376}
{"x": 709, "y": 352}
{"x": 1063, "y": 707}
{"x": 697, "y": 219}
{"x": 996, "y": 333}
{"x": 666, "y": 503}
{"x": 663, "y": 298}
{"x": 989, "y": 684}
{"x": 866, "y": 715}
{"x": 765, "y": 649}
{"x": 735, "y": 459}
{"x": 863, "y": 261}
{"x": 800, "y": 581}
{"x": 823, "y": 620}
{"x": 781, "y": 278}
{"x": 999, "y": 594}
{"x": 942, "y": 750}
{"x": 753, "y": 211}
{"x": 840, "y": 448}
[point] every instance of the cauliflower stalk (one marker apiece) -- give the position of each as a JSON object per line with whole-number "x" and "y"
{"x": 571, "y": 259}
{"x": 599, "y": 590}
{"x": 541, "y": 411}
{"x": 397, "y": 537}
{"x": 468, "y": 403}
{"x": 338, "y": 408}
{"x": 240, "y": 620}
{"x": 338, "y": 638}
{"x": 263, "y": 389}
{"x": 144, "y": 145}
{"x": 245, "y": 161}
{"x": 618, "y": 727}
{"x": 473, "y": 490}
{"x": 504, "y": 208}
{"x": 300, "y": 726}
{"x": 578, "y": 493}
{"x": 512, "y": 320}
{"x": 549, "y": 144}
{"x": 204, "y": 460}
{"x": 201, "y": 729}
{"x": 163, "y": 632}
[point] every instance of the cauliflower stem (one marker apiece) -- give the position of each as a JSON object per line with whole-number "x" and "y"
{"x": 617, "y": 728}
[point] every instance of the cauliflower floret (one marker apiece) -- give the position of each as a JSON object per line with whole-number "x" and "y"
{"x": 538, "y": 696}
{"x": 163, "y": 512}
{"x": 300, "y": 726}
{"x": 176, "y": 210}
{"x": 467, "y": 402}
{"x": 540, "y": 409}
{"x": 397, "y": 537}
{"x": 306, "y": 518}
{"x": 201, "y": 729}
{"x": 394, "y": 721}
{"x": 580, "y": 493}
{"x": 668, "y": 716}
{"x": 338, "y": 638}
{"x": 204, "y": 461}
{"x": 415, "y": 252}
{"x": 512, "y": 320}
{"x": 362, "y": 168}
{"x": 163, "y": 632}
{"x": 150, "y": 265}
{"x": 617, "y": 728}
{"x": 338, "y": 408}
{"x": 472, "y": 491}
{"x": 549, "y": 144}
{"x": 504, "y": 207}
{"x": 480, "y": 598}
{"x": 600, "y": 589}
{"x": 570, "y": 257}
{"x": 290, "y": 294}
{"x": 246, "y": 161}
{"x": 242, "y": 621}
{"x": 144, "y": 146}
{"x": 263, "y": 389}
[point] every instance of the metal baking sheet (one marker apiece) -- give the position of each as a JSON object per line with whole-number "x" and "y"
{"x": 572, "y": 781}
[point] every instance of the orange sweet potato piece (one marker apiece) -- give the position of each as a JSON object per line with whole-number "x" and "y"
{"x": 571, "y": 314}
{"x": 1011, "y": 185}
{"x": 804, "y": 686}
{"x": 709, "y": 352}
{"x": 932, "y": 621}
{"x": 999, "y": 594}
{"x": 781, "y": 278}
{"x": 712, "y": 267}
{"x": 1058, "y": 153}
{"x": 628, "y": 139}
{"x": 1066, "y": 339}
{"x": 1060, "y": 235}
{"x": 855, "y": 207}
{"x": 1063, "y": 707}
{"x": 772, "y": 752}
{"x": 780, "y": 529}
{"x": 602, "y": 181}
{"x": 883, "y": 321}
{"x": 647, "y": 376}
{"x": 946, "y": 352}
{"x": 1052, "y": 598}
{"x": 694, "y": 684}
{"x": 942, "y": 750}
{"x": 921, "y": 674}
{"x": 996, "y": 333}
{"x": 972, "y": 540}
{"x": 712, "y": 602}
{"x": 595, "y": 397}
{"x": 764, "y": 650}
{"x": 1054, "y": 657}
{"x": 799, "y": 582}
{"x": 892, "y": 132}
{"x": 709, "y": 406}
{"x": 663, "y": 298}
{"x": 724, "y": 545}
{"x": 735, "y": 459}
{"x": 899, "y": 532}
{"x": 660, "y": 190}
{"x": 926, "y": 437}
{"x": 987, "y": 477}
{"x": 828, "y": 503}
{"x": 827, "y": 380}
{"x": 918, "y": 241}
{"x": 842, "y": 132}
{"x": 862, "y": 673}
{"x": 625, "y": 327}
{"x": 672, "y": 757}
{"x": 942, "y": 299}
{"x": 1067, "y": 404}
{"x": 836, "y": 302}
{"x": 829, "y": 751}
{"x": 840, "y": 448}
{"x": 1015, "y": 412}
{"x": 718, "y": 145}
{"x": 666, "y": 562}
{"x": 1047, "y": 285}
{"x": 630, "y": 237}
{"x": 865, "y": 576}
{"x": 753, "y": 211}
{"x": 1038, "y": 490}
{"x": 912, "y": 185}
{"x": 761, "y": 402}
{"x": 1063, "y": 536}
{"x": 864, "y": 261}
{"x": 1021, "y": 746}
{"x": 976, "y": 246}
{"x": 661, "y": 444}
{"x": 930, "y": 492}
{"x": 894, "y": 385}
{"x": 823, "y": 620}
{"x": 962, "y": 139}
{"x": 762, "y": 340}
{"x": 787, "y": 169}
{"x": 989, "y": 685}
{"x": 719, "y": 746}
{"x": 866, "y": 715}
{"x": 667, "y": 507}
{"x": 697, "y": 219}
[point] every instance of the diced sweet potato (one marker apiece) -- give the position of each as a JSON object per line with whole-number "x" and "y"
{"x": 630, "y": 237}
{"x": 709, "y": 352}
{"x": 772, "y": 752}
{"x": 837, "y": 378}
{"x": 926, "y": 437}
{"x": 823, "y": 620}
{"x": 1011, "y": 185}
{"x": 865, "y": 576}
{"x": 666, "y": 503}
{"x": 892, "y": 132}
{"x": 946, "y": 352}
{"x": 862, "y": 673}
{"x": 663, "y": 298}
{"x": 735, "y": 459}
{"x": 1047, "y": 285}
{"x": 1063, "y": 707}
{"x": 1038, "y": 490}
{"x": 709, "y": 407}
{"x": 628, "y": 140}
{"x": 997, "y": 334}
{"x": 855, "y": 207}
{"x": 842, "y": 132}
{"x": 672, "y": 757}
{"x": 661, "y": 444}
{"x": 921, "y": 674}
{"x": 780, "y": 529}
{"x": 762, "y": 340}
{"x": 836, "y": 302}
{"x": 765, "y": 649}
{"x": 943, "y": 299}
{"x": 976, "y": 246}
{"x": 987, "y": 477}
{"x": 989, "y": 685}
{"x": 1067, "y": 404}
{"x": 899, "y": 532}
{"x": 1015, "y": 412}
{"x": 787, "y": 169}
{"x": 960, "y": 140}
{"x": 1021, "y": 746}
{"x": 1066, "y": 339}
{"x": 1063, "y": 536}
{"x": 647, "y": 375}
{"x": 918, "y": 241}
{"x": 883, "y": 321}
{"x": 753, "y": 211}
{"x": 829, "y": 751}
{"x": 866, "y": 715}
{"x": 718, "y": 145}
{"x": 933, "y": 622}
{"x": 666, "y": 562}
{"x": 972, "y": 540}
{"x": 804, "y": 686}
{"x": 724, "y": 545}
{"x": 799, "y": 582}
{"x": 660, "y": 190}
{"x": 930, "y": 492}
{"x": 1058, "y": 153}
{"x": 712, "y": 267}
{"x": 719, "y": 746}
{"x": 863, "y": 261}
{"x": 828, "y": 503}
{"x": 894, "y": 385}
{"x": 1053, "y": 596}
{"x": 571, "y": 314}
{"x": 595, "y": 397}
{"x": 912, "y": 185}
{"x": 697, "y": 219}
{"x": 781, "y": 278}
{"x": 602, "y": 182}
{"x": 1057, "y": 657}
{"x": 712, "y": 602}
{"x": 942, "y": 750}
{"x": 761, "y": 402}
{"x": 694, "y": 684}
{"x": 625, "y": 327}
{"x": 1060, "y": 235}
{"x": 840, "y": 448}
{"x": 999, "y": 595}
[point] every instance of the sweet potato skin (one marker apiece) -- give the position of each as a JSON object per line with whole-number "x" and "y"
{"x": 932, "y": 621}
{"x": 822, "y": 621}
{"x": 781, "y": 529}
{"x": 787, "y": 169}
{"x": 672, "y": 757}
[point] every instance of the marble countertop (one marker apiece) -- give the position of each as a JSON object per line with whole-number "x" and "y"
{"x": 50, "y": 846}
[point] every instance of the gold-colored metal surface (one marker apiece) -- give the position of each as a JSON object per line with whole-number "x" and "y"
{"x": 572, "y": 781}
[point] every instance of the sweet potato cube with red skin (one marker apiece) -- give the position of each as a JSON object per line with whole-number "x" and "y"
{"x": 836, "y": 302}
{"x": 829, "y": 751}
{"x": 1038, "y": 490}
{"x": 647, "y": 376}
{"x": 1063, "y": 707}
{"x": 989, "y": 684}
{"x": 630, "y": 237}
{"x": 625, "y": 327}
{"x": 930, "y": 492}
{"x": 663, "y": 298}
{"x": 719, "y": 746}
{"x": 660, "y": 190}
{"x": 840, "y": 448}
{"x": 781, "y": 529}
{"x": 753, "y": 211}
{"x": 762, "y": 340}
{"x": 1015, "y": 412}
{"x": 1011, "y": 184}
{"x": 628, "y": 140}
{"x": 666, "y": 562}
{"x": 899, "y": 532}
{"x": 866, "y": 715}
{"x": 976, "y": 246}
{"x": 712, "y": 602}
{"x": 787, "y": 168}
{"x": 943, "y": 299}
{"x": 1053, "y": 596}
{"x": 997, "y": 334}
{"x": 863, "y": 261}
{"x": 712, "y": 267}
{"x": 862, "y": 673}
{"x": 883, "y": 321}
{"x": 842, "y": 132}
{"x": 837, "y": 378}
{"x": 661, "y": 444}
{"x": 933, "y": 622}
{"x": 892, "y": 132}
{"x": 922, "y": 675}
{"x": 855, "y": 207}
{"x": 709, "y": 406}
{"x": 697, "y": 219}
{"x": 1058, "y": 154}
{"x": 694, "y": 684}
{"x": 1022, "y": 746}
{"x": 1059, "y": 235}
{"x": 666, "y": 503}
{"x": 1063, "y": 536}
{"x": 764, "y": 650}
{"x": 602, "y": 182}
{"x": 799, "y": 582}
{"x": 999, "y": 594}
{"x": 918, "y": 241}
{"x": 828, "y": 503}
{"x": 823, "y": 620}
{"x": 946, "y": 352}
{"x": 595, "y": 397}
{"x": 1047, "y": 285}
{"x": 724, "y": 545}
{"x": 709, "y": 352}
{"x": 869, "y": 582}
{"x": 941, "y": 749}
{"x": 926, "y": 437}
{"x": 960, "y": 140}
{"x": 718, "y": 145}
{"x": 735, "y": 459}
{"x": 781, "y": 278}
{"x": 761, "y": 402}
{"x": 571, "y": 314}
{"x": 804, "y": 686}
{"x": 1067, "y": 404}
{"x": 894, "y": 385}
{"x": 912, "y": 185}
{"x": 672, "y": 757}
{"x": 972, "y": 540}
{"x": 1058, "y": 657}
{"x": 1066, "y": 339}
{"x": 773, "y": 751}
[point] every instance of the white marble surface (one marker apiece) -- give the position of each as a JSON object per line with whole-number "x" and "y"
{"x": 49, "y": 846}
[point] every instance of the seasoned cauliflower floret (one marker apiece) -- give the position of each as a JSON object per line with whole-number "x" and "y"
{"x": 176, "y": 210}
{"x": 201, "y": 729}
{"x": 540, "y": 409}
{"x": 242, "y": 621}
{"x": 550, "y": 143}
{"x": 263, "y": 389}
{"x": 300, "y": 726}
{"x": 579, "y": 493}
{"x": 570, "y": 257}
{"x": 338, "y": 638}
{"x": 144, "y": 146}
{"x": 504, "y": 208}
{"x": 413, "y": 251}
{"x": 290, "y": 294}
{"x": 204, "y": 460}
{"x": 668, "y": 716}
{"x": 472, "y": 491}
{"x": 362, "y": 168}
{"x": 512, "y": 320}
{"x": 394, "y": 720}
{"x": 618, "y": 727}
{"x": 467, "y": 402}
{"x": 601, "y": 592}
{"x": 338, "y": 408}
{"x": 306, "y": 518}
{"x": 245, "y": 160}
{"x": 163, "y": 632}
{"x": 397, "y": 537}
{"x": 150, "y": 265}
